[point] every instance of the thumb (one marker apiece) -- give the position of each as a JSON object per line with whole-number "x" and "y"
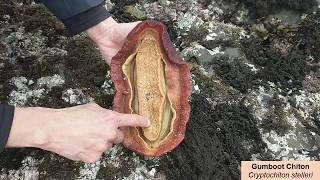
{"x": 132, "y": 120}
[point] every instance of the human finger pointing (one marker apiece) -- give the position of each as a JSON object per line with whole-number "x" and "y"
{"x": 133, "y": 120}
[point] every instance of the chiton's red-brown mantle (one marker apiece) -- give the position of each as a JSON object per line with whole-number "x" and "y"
{"x": 151, "y": 80}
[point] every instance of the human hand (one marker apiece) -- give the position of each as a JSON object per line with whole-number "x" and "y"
{"x": 110, "y": 36}
{"x": 78, "y": 133}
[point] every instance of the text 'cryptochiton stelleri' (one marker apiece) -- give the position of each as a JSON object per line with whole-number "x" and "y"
{"x": 152, "y": 81}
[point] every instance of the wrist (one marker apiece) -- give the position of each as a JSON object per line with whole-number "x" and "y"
{"x": 30, "y": 127}
{"x": 102, "y": 30}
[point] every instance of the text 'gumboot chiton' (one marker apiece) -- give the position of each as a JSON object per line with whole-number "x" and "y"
{"x": 152, "y": 81}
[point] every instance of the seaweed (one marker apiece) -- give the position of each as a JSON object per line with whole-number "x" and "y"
{"x": 11, "y": 9}
{"x": 276, "y": 118}
{"x": 222, "y": 130}
{"x": 53, "y": 166}
{"x": 212, "y": 88}
{"x": 110, "y": 172}
{"x": 217, "y": 139}
{"x": 313, "y": 153}
{"x": 11, "y": 159}
{"x": 308, "y": 37}
{"x": 262, "y": 8}
{"x": 235, "y": 73}
{"x": 204, "y": 3}
{"x": 35, "y": 17}
{"x": 272, "y": 48}
{"x": 80, "y": 69}
{"x": 313, "y": 121}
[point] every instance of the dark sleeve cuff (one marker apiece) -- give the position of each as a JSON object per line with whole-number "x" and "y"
{"x": 6, "y": 118}
{"x": 83, "y": 21}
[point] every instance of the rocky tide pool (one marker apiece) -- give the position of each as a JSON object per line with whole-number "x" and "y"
{"x": 255, "y": 68}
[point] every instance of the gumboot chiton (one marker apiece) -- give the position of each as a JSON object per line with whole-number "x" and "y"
{"x": 151, "y": 80}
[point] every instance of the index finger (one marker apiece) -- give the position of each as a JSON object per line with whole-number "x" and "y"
{"x": 133, "y": 120}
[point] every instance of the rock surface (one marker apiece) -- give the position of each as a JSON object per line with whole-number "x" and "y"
{"x": 256, "y": 92}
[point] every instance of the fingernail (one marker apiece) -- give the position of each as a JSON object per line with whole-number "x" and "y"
{"x": 148, "y": 124}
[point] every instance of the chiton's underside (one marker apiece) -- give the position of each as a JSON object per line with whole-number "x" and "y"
{"x": 153, "y": 82}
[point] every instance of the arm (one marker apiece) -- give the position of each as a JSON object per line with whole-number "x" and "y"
{"x": 6, "y": 117}
{"x": 82, "y": 132}
{"x": 79, "y": 133}
{"x": 78, "y": 15}
{"x": 92, "y": 17}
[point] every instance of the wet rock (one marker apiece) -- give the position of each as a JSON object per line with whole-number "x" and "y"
{"x": 21, "y": 98}
{"x": 75, "y": 97}
{"x": 51, "y": 81}
{"x": 188, "y": 20}
{"x": 20, "y": 83}
{"x": 107, "y": 85}
{"x": 203, "y": 55}
{"x": 30, "y": 170}
{"x": 25, "y": 44}
{"x": 254, "y": 76}
{"x": 222, "y": 34}
{"x": 285, "y": 122}
{"x": 288, "y": 17}
{"x": 136, "y": 11}
{"x": 312, "y": 82}
{"x": 109, "y": 5}
{"x": 161, "y": 10}
{"x": 26, "y": 94}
